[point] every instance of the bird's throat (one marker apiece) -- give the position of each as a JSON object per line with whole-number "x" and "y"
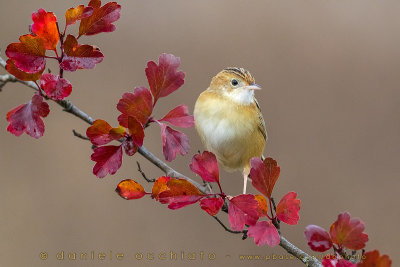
{"x": 240, "y": 96}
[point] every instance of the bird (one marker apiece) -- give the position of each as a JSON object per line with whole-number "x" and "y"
{"x": 229, "y": 121}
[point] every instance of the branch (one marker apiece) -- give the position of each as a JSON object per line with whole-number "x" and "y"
{"x": 298, "y": 253}
{"x": 71, "y": 108}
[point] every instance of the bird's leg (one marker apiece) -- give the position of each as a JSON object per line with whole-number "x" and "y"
{"x": 245, "y": 177}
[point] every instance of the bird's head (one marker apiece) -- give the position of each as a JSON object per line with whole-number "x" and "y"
{"x": 235, "y": 83}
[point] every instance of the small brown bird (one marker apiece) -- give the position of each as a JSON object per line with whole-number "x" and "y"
{"x": 229, "y": 120}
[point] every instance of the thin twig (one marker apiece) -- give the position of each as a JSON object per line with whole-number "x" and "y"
{"x": 226, "y": 228}
{"x": 143, "y": 174}
{"x": 81, "y": 136}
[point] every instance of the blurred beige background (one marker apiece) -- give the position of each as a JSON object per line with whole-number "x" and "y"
{"x": 331, "y": 101}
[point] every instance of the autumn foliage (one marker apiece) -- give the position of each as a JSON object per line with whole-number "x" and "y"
{"x": 253, "y": 215}
{"x": 244, "y": 211}
{"x": 27, "y": 59}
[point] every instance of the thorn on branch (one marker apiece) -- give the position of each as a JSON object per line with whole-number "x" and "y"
{"x": 143, "y": 174}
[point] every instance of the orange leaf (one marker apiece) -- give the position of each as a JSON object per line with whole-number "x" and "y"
{"x": 159, "y": 186}
{"x": 180, "y": 193}
{"x": 101, "y": 19}
{"x": 262, "y": 204}
{"x": 129, "y": 189}
{"x": 372, "y": 258}
{"x": 44, "y": 26}
{"x": 22, "y": 75}
{"x": 28, "y": 55}
{"x": 72, "y": 15}
{"x": 117, "y": 133}
{"x": 79, "y": 56}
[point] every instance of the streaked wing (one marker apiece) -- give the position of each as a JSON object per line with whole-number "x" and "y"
{"x": 261, "y": 122}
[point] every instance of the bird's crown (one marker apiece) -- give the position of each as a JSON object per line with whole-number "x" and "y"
{"x": 240, "y": 72}
{"x": 231, "y": 78}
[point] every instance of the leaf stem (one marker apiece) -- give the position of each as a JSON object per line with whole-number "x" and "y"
{"x": 61, "y": 48}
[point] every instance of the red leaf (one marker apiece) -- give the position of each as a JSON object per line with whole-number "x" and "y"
{"x": 136, "y": 131}
{"x": 22, "y": 75}
{"x": 28, "y": 55}
{"x": 101, "y": 133}
{"x": 180, "y": 193}
{"x": 179, "y": 117}
{"x": 159, "y": 186}
{"x": 318, "y": 239}
{"x": 27, "y": 117}
{"x": 262, "y": 204}
{"x": 173, "y": 142}
{"x": 72, "y": 15}
{"x": 137, "y": 104}
{"x": 206, "y": 166}
{"x": 288, "y": 209}
{"x": 212, "y": 205}
{"x": 129, "y": 189}
{"x": 108, "y": 160}
{"x": 264, "y": 232}
{"x": 79, "y": 56}
{"x": 373, "y": 259}
{"x": 243, "y": 209}
{"x": 333, "y": 261}
{"x": 44, "y": 25}
{"x": 102, "y": 18}
{"x": 129, "y": 146}
{"x": 55, "y": 87}
{"x": 264, "y": 175}
{"x": 164, "y": 78}
{"x": 348, "y": 232}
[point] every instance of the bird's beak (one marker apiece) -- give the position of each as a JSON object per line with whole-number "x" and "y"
{"x": 252, "y": 87}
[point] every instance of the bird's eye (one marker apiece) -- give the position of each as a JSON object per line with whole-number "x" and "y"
{"x": 234, "y": 82}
